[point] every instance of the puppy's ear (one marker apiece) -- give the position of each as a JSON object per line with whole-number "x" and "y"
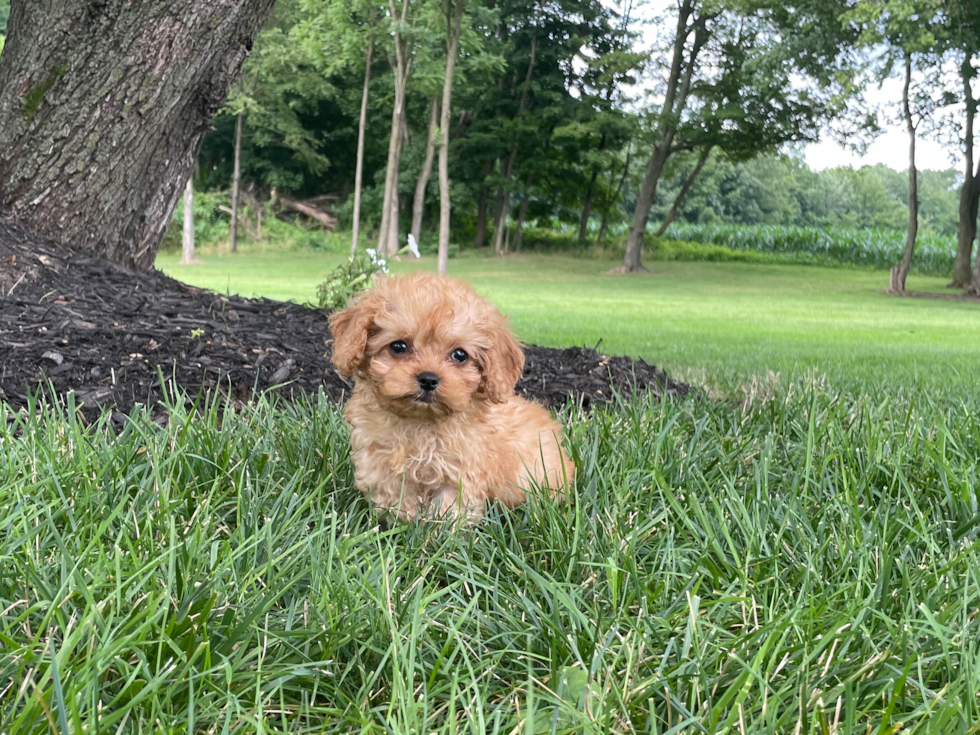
{"x": 350, "y": 329}
{"x": 503, "y": 364}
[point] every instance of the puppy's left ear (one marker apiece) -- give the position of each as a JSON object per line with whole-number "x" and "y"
{"x": 503, "y": 364}
{"x": 350, "y": 329}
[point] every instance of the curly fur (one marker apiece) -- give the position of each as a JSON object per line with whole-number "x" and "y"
{"x": 468, "y": 442}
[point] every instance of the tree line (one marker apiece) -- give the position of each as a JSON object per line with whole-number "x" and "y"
{"x": 525, "y": 109}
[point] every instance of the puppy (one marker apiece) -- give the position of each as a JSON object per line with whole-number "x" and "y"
{"x": 436, "y": 429}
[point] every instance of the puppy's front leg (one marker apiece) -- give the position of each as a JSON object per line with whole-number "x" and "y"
{"x": 453, "y": 503}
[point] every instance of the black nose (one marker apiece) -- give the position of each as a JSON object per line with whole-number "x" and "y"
{"x": 427, "y": 381}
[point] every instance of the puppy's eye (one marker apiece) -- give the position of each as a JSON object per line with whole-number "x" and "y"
{"x": 398, "y": 348}
{"x": 459, "y": 355}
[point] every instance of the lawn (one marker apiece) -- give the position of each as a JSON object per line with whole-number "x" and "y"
{"x": 801, "y": 558}
{"x": 720, "y": 323}
{"x": 807, "y": 563}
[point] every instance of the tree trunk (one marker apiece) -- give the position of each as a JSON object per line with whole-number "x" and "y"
{"x": 401, "y": 66}
{"x": 503, "y": 196}
{"x": 359, "y": 166}
{"x": 970, "y": 191}
{"x": 675, "y": 101}
{"x": 418, "y": 203}
{"x": 583, "y": 227}
{"x": 481, "y": 207}
{"x": 901, "y": 272}
{"x": 688, "y": 182}
{"x": 445, "y": 205}
{"x": 102, "y": 111}
{"x": 236, "y": 182}
{"x": 615, "y": 196}
{"x": 632, "y": 261}
{"x": 519, "y": 234}
{"x": 187, "y": 249}
{"x": 503, "y": 206}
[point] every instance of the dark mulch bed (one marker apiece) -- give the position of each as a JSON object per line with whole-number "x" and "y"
{"x": 106, "y": 333}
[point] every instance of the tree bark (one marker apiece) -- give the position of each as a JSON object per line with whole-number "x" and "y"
{"x": 503, "y": 196}
{"x": 519, "y": 234}
{"x": 675, "y": 101}
{"x": 970, "y": 191}
{"x": 418, "y": 203}
{"x": 481, "y": 207}
{"x": 401, "y": 66}
{"x": 445, "y": 205}
{"x": 102, "y": 111}
{"x": 359, "y": 166}
{"x": 583, "y": 226}
{"x": 900, "y": 273}
{"x": 615, "y": 196}
{"x": 688, "y": 182}
{"x": 236, "y": 182}
{"x": 187, "y": 249}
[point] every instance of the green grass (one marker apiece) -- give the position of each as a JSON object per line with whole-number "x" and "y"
{"x": 803, "y": 562}
{"x": 801, "y": 556}
{"x": 721, "y": 323}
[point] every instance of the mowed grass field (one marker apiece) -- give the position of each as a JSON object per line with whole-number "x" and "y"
{"x": 802, "y": 556}
{"x": 720, "y": 323}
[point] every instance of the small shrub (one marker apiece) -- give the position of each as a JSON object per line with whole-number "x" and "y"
{"x": 347, "y": 280}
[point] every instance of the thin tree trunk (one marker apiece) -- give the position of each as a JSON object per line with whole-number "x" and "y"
{"x": 503, "y": 198}
{"x": 187, "y": 249}
{"x": 481, "y": 207}
{"x": 688, "y": 182}
{"x": 503, "y": 206}
{"x": 418, "y": 203}
{"x": 116, "y": 198}
{"x": 900, "y": 272}
{"x": 236, "y": 181}
{"x": 359, "y": 166}
{"x": 445, "y": 205}
{"x": 583, "y": 226}
{"x": 519, "y": 234}
{"x": 401, "y": 67}
{"x": 615, "y": 196}
{"x": 675, "y": 101}
{"x": 970, "y": 191}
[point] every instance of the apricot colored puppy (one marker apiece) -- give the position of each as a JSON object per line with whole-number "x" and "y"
{"x": 436, "y": 429}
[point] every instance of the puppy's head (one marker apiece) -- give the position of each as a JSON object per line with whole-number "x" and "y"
{"x": 427, "y": 346}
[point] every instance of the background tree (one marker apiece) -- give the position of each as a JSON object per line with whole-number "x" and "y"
{"x": 907, "y": 32}
{"x": 963, "y": 31}
{"x": 187, "y": 241}
{"x": 453, "y": 10}
{"x": 732, "y": 81}
{"x": 96, "y": 141}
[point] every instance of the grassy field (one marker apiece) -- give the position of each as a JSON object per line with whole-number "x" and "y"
{"x": 721, "y": 323}
{"x": 801, "y": 556}
{"x": 807, "y": 563}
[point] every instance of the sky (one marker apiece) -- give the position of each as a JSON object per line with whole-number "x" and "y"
{"x": 890, "y": 148}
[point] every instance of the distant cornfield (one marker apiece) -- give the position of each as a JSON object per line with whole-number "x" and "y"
{"x": 868, "y": 247}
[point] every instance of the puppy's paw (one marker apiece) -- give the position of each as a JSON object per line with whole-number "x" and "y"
{"x": 453, "y": 504}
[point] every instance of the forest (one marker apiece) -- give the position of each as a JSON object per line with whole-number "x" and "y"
{"x": 555, "y": 110}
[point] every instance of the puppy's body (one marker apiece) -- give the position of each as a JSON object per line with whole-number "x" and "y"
{"x": 468, "y": 440}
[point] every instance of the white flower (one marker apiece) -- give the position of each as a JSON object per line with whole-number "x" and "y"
{"x": 384, "y": 265}
{"x": 372, "y": 254}
{"x": 413, "y": 247}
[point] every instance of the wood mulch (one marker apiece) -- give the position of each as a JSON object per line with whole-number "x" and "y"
{"x": 114, "y": 337}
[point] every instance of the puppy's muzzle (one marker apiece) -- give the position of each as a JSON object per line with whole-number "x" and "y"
{"x": 428, "y": 382}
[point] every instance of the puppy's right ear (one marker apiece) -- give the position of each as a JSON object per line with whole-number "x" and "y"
{"x": 350, "y": 329}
